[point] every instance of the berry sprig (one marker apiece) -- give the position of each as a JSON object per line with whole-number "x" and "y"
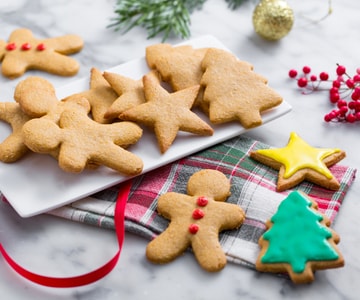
{"x": 344, "y": 92}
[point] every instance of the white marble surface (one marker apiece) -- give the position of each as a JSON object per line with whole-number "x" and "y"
{"x": 56, "y": 247}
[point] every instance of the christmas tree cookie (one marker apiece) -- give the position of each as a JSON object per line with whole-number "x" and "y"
{"x": 233, "y": 91}
{"x": 298, "y": 161}
{"x": 298, "y": 241}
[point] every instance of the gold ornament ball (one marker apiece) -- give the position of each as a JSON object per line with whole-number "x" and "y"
{"x": 273, "y": 19}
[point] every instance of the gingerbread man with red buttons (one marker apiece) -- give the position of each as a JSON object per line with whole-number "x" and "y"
{"x": 24, "y": 52}
{"x": 196, "y": 220}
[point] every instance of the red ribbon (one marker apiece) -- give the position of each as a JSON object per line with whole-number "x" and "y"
{"x": 68, "y": 282}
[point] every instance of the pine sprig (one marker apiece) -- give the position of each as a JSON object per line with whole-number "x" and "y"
{"x": 166, "y": 17}
{"x": 234, "y": 4}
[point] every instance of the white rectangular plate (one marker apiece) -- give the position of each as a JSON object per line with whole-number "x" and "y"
{"x": 36, "y": 184}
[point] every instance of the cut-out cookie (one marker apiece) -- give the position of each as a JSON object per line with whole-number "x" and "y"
{"x": 167, "y": 113}
{"x": 233, "y": 92}
{"x": 81, "y": 141}
{"x": 298, "y": 240}
{"x": 298, "y": 161}
{"x": 130, "y": 91}
{"x": 100, "y": 96}
{"x": 23, "y": 52}
{"x": 196, "y": 220}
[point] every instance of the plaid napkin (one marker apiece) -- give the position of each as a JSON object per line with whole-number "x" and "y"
{"x": 253, "y": 188}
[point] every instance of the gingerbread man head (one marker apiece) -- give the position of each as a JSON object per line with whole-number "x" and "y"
{"x": 196, "y": 220}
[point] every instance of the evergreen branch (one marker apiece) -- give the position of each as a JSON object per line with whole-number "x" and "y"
{"x": 167, "y": 17}
{"x": 234, "y": 4}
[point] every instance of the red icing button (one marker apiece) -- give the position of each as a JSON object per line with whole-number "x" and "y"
{"x": 202, "y": 201}
{"x": 193, "y": 228}
{"x": 26, "y": 46}
{"x": 11, "y": 46}
{"x": 41, "y": 47}
{"x": 198, "y": 214}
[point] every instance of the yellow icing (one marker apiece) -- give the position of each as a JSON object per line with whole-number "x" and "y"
{"x": 299, "y": 155}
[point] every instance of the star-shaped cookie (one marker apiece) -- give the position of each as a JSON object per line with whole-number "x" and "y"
{"x": 130, "y": 91}
{"x": 100, "y": 96}
{"x": 167, "y": 113}
{"x": 233, "y": 92}
{"x": 298, "y": 161}
{"x": 23, "y": 52}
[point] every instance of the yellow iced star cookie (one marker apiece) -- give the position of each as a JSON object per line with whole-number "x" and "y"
{"x": 299, "y": 161}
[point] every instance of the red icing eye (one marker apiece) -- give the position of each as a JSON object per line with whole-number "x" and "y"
{"x": 198, "y": 214}
{"x": 40, "y": 47}
{"x": 202, "y": 201}
{"x": 11, "y": 46}
{"x": 193, "y": 228}
{"x": 25, "y": 46}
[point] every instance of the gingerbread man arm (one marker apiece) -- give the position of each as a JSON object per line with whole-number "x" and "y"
{"x": 13, "y": 147}
{"x": 66, "y": 44}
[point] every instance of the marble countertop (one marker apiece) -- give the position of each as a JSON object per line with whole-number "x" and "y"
{"x": 57, "y": 247}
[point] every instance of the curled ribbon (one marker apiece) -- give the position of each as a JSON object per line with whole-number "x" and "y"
{"x": 68, "y": 282}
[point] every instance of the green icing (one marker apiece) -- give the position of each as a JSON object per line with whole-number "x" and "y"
{"x": 297, "y": 235}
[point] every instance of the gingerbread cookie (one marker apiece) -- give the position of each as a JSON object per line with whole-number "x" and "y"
{"x": 180, "y": 66}
{"x": 13, "y": 147}
{"x": 37, "y": 98}
{"x": 80, "y": 141}
{"x": 23, "y": 52}
{"x": 130, "y": 91}
{"x": 196, "y": 220}
{"x": 167, "y": 112}
{"x": 233, "y": 91}
{"x": 298, "y": 241}
{"x": 100, "y": 95}
{"x": 299, "y": 161}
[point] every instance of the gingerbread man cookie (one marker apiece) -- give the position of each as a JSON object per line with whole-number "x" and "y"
{"x": 196, "y": 220}
{"x": 13, "y": 147}
{"x": 23, "y": 52}
{"x": 80, "y": 141}
{"x": 37, "y": 98}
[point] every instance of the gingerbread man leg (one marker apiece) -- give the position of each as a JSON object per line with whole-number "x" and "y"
{"x": 161, "y": 251}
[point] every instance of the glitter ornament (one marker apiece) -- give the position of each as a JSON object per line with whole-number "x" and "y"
{"x": 273, "y": 19}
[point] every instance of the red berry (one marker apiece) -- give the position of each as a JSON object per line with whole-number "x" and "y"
{"x": 324, "y": 76}
{"x": 343, "y": 110}
{"x": 293, "y": 73}
{"x": 340, "y": 70}
{"x": 306, "y": 69}
{"x": 334, "y": 97}
{"x": 313, "y": 78}
{"x": 351, "y": 118}
{"x": 357, "y": 115}
{"x": 356, "y": 77}
{"x": 336, "y": 83}
{"x": 327, "y": 118}
{"x": 350, "y": 83}
{"x": 302, "y": 82}
{"x": 341, "y": 103}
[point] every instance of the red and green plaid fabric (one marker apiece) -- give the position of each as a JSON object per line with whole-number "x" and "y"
{"x": 252, "y": 187}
